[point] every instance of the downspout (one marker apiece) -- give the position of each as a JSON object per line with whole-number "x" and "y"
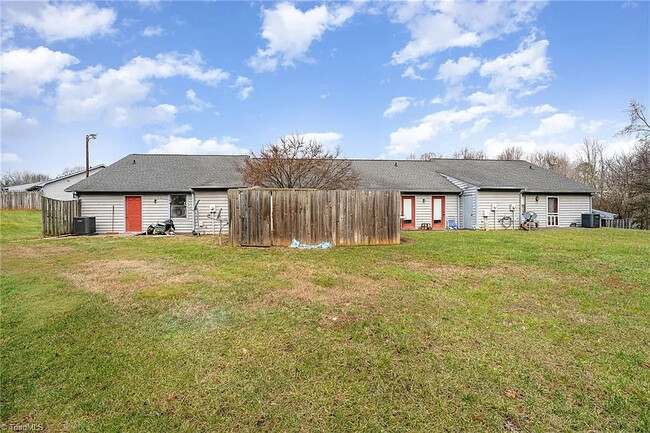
{"x": 458, "y": 209}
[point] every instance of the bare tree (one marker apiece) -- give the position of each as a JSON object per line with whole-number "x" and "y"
{"x": 70, "y": 170}
{"x": 467, "y": 153}
{"x": 639, "y": 125}
{"x": 590, "y": 167}
{"x": 11, "y": 178}
{"x": 640, "y": 186}
{"x": 640, "y": 173}
{"x": 512, "y": 153}
{"x": 294, "y": 162}
{"x": 553, "y": 161}
{"x": 425, "y": 156}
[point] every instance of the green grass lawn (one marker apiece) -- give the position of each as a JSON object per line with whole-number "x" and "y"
{"x": 460, "y": 331}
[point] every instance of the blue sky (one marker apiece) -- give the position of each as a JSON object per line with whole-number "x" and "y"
{"x": 380, "y": 80}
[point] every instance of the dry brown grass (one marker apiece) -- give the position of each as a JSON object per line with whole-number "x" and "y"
{"x": 336, "y": 289}
{"x": 35, "y": 251}
{"x": 121, "y": 280}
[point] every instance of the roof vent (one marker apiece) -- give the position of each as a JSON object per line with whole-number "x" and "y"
{"x": 395, "y": 164}
{"x": 531, "y": 167}
{"x": 134, "y": 162}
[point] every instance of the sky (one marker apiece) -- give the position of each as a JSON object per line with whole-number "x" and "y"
{"x": 377, "y": 79}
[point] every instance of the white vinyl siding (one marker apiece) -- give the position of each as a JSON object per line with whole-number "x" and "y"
{"x": 101, "y": 207}
{"x": 423, "y": 208}
{"x": 207, "y": 198}
{"x": 468, "y": 190}
{"x": 570, "y": 208}
{"x": 155, "y": 208}
{"x": 502, "y": 200}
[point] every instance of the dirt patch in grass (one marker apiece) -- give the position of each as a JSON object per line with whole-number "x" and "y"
{"x": 121, "y": 280}
{"x": 311, "y": 284}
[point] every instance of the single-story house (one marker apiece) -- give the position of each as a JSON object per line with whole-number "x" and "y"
{"x": 56, "y": 188}
{"x": 494, "y": 189}
{"x": 142, "y": 189}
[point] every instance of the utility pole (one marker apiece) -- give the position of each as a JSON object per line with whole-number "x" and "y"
{"x": 88, "y": 138}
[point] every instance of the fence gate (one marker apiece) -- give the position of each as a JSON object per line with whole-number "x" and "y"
{"x": 254, "y": 218}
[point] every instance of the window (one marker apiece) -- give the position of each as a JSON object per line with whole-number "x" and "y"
{"x": 552, "y": 209}
{"x": 178, "y": 206}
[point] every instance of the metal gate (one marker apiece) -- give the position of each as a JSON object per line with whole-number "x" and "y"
{"x": 254, "y": 218}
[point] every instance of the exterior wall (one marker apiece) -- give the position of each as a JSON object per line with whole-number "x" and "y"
{"x": 502, "y": 200}
{"x": 570, "y": 208}
{"x": 155, "y": 208}
{"x": 56, "y": 189}
{"x": 207, "y": 198}
{"x": 468, "y": 190}
{"x": 423, "y": 207}
{"x": 101, "y": 207}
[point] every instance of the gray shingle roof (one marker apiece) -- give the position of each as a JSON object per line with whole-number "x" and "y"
{"x": 165, "y": 173}
{"x": 177, "y": 173}
{"x": 495, "y": 174}
{"x": 404, "y": 175}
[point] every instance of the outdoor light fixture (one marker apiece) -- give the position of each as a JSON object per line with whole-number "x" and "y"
{"x": 88, "y": 138}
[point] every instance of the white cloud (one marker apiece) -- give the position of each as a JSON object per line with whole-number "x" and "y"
{"x": 409, "y": 72}
{"x": 330, "y": 140}
{"x": 244, "y": 86}
{"x": 117, "y": 95}
{"x": 151, "y": 31}
{"x": 478, "y": 126}
{"x": 592, "y": 126}
{"x": 556, "y": 124}
{"x": 526, "y": 66}
{"x": 494, "y": 146}
{"x": 198, "y": 104}
{"x": 12, "y": 118}
{"x": 59, "y": 21}
{"x": 398, "y": 105}
{"x": 409, "y": 140}
{"x": 435, "y": 27}
{"x": 15, "y": 124}
{"x": 290, "y": 32}
{"x": 25, "y": 71}
{"x": 9, "y": 157}
{"x": 192, "y": 145}
{"x": 454, "y": 72}
{"x": 437, "y": 100}
{"x": 544, "y": 109}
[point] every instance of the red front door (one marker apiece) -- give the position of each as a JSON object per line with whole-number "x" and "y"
{"x": 408, "y": 212}
{"x": 133, "y": 213}
{"x": 438, "y": 212}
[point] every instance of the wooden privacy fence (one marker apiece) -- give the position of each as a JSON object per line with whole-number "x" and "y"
{"x": 20, "y": 200}
{"x": 268, "y": 217}
{"x": 58, "y": 216}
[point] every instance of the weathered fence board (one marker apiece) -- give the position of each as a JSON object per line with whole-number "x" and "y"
{"x": 266, "y": 217}
{"x": 20, "y": 200}
{"x": 58, "y": 216}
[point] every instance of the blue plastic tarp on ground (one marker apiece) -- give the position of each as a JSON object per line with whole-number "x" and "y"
{"x": 322, "y": 245}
